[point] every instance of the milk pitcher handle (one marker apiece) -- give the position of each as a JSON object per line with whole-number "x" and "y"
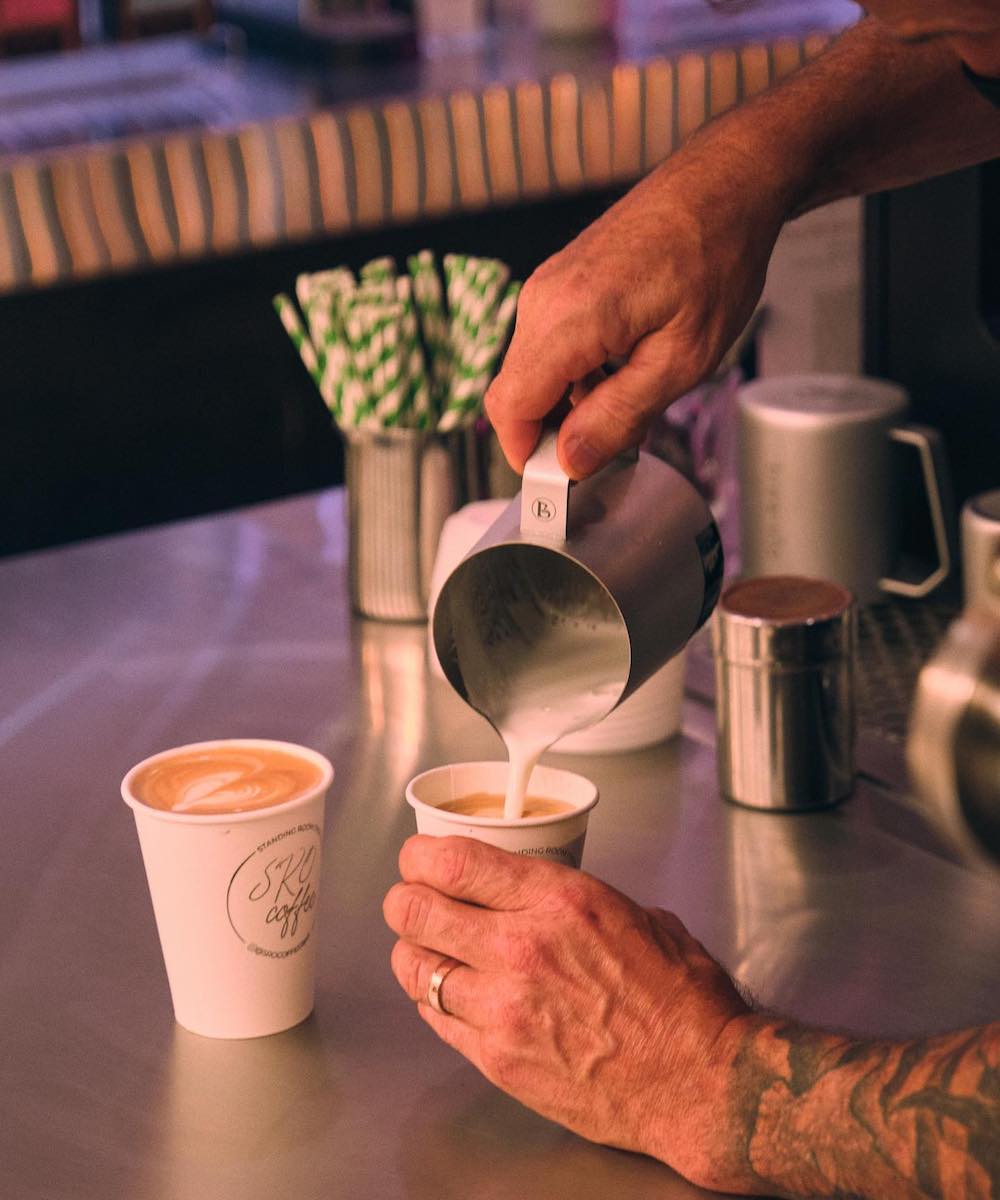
{"x": 545, "y": 491}
{"x": 934, "y": 467}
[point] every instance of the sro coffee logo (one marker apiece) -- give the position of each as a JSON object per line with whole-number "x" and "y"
{"x": 272, "y": 894}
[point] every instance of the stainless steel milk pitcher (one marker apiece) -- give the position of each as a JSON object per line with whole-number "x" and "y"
{"x": 624, "y": 567}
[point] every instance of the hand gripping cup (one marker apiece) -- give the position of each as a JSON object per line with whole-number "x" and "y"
{"x": 561, "y": 800}
{"x": 231, "y": 835}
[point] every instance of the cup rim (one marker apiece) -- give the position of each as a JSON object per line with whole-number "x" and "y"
{"x": 234, "y": 818}
{"x": 501, "y": 822}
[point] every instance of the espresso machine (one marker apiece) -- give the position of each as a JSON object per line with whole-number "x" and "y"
{"x": 953, "y": 743}
{"x": 932, "y": 324}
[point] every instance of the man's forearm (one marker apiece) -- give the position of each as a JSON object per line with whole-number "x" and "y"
{"x": 818, "y": 1114}
{"x": 870, "y": 113}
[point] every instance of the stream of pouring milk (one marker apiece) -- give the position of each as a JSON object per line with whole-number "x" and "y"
{"x": 570, "y": 681}
{"x": 542, "y": 651}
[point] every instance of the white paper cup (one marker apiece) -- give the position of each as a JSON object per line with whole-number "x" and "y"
{"x": 235, "y": 897}
{"x": 558, "y": 837}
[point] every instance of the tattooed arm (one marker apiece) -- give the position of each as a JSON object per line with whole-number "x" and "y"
{"x": 824, "y": 1115}
{"x": 613, "y": 1020}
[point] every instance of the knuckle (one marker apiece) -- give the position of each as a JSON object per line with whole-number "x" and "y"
{"x": 532, "y": 295}
{"x": 456, "y": 864}
{"x": 614, "y": 321}
{"x": 624, "y": 411}
{"x": 389, "y": 904}
{"x": 393, "y": 906}
{"x": 572, "y": 895}
{"x": 576, "y": 899}
{"x": 407, "y": 968}
{"x": 415, "y": 911}
{"x": 501, "y": 400}
{"x": 514, "y": 1016}
{"x": 525, "y": 953}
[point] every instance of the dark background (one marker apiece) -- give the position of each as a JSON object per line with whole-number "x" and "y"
{"x": 932, "y": 306}
{"x": 168, "y": 393}
{"x": 172, "y": 392}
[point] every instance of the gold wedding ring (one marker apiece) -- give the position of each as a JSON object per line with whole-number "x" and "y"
{"x": 438, "y": 976}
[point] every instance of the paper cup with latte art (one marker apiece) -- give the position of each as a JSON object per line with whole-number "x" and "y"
{"x": 231, "y": 835}
{"x": 557, "y": 835}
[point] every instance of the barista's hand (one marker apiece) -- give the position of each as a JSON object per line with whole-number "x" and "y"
{"x": 604, "y": 1016}
{"x": 665, "y": 279}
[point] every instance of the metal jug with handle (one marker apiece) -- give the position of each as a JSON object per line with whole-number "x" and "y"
{"x": 579, "y": 592}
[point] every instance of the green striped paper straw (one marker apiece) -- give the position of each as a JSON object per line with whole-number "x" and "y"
{"x": 474, "y": 288}
{"x": 379, "y": 349}
{"x": 407, "y": 350}
{"x": 428, "y": 297}
{"x": 286, "y": 311}
{"x": 379, "y": 271}
{"x": 317, "y": 332}
{"x": 418, "y": 404}
{"x": 476, "y": 366}
{"x": 374, "y": 339}
{"x": 322, "y": 296}
{"x": 468, "y": 280}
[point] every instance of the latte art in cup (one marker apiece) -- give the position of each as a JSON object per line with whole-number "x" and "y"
{"x": 224, "y": 778}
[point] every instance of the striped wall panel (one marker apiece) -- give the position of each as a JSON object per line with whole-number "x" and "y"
{"x": 116, "y": 207}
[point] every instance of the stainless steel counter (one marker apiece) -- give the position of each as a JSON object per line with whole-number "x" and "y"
{"x": 238, "y": 625}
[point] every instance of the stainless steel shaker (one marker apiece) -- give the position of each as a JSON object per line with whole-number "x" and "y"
{"x": 611, "y": 575}
{"x": 784, "y": 666}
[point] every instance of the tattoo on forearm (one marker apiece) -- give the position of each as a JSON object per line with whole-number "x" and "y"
{"x": 824, "y": 1115}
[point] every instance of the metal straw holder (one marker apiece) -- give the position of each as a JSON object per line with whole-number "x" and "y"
{"x": 402, "y": 484}
{"x": 784, "y": 666}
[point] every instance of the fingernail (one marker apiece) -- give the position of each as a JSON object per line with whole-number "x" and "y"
{"x": 582, "y": 457}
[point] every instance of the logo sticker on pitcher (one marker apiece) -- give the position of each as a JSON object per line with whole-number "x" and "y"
{"x": 271, "y": 898}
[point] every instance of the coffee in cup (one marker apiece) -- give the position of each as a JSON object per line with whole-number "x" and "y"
{"x": 491, "y": 804}
{"x": 467, "y": 799}
{"x": 231, "y": 835}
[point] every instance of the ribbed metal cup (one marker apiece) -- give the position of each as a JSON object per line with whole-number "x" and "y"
{"x": 402, "y": 485}
{"x": 784, "y": 667}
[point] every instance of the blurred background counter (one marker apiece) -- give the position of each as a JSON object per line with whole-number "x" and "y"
{"x": 155, "y": 193}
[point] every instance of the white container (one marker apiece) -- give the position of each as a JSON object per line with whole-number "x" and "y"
{"x": 558, "y": 837}
{"x": 235, "y": 898}
{"x": 649, "y": 716}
